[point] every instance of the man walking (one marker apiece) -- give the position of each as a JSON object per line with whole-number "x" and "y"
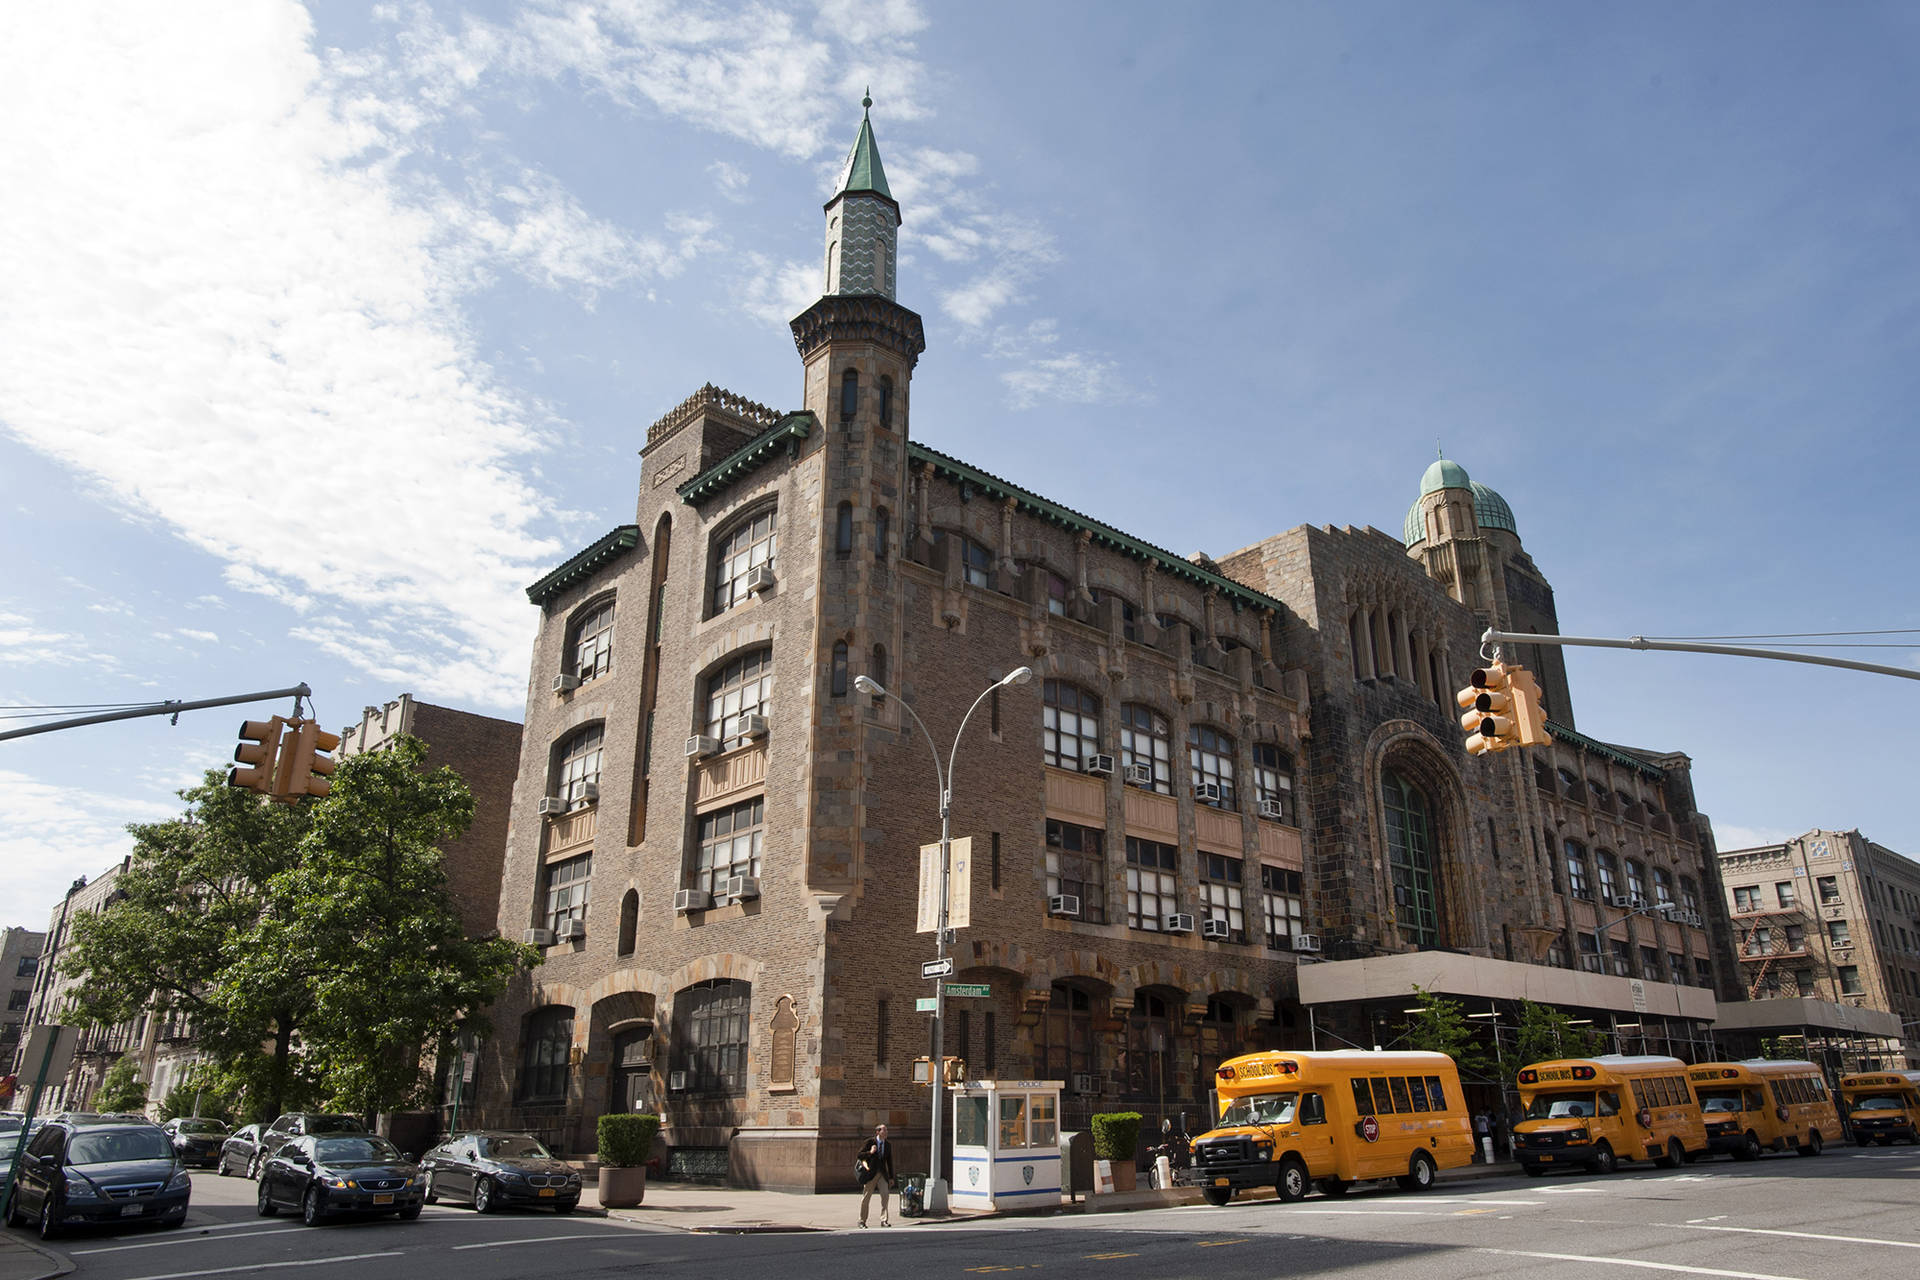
{"x": 874, "y": 1167}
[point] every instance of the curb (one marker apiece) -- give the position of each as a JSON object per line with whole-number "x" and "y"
{"x": 59, "y": 1263}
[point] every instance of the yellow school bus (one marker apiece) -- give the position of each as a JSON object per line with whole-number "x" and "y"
{"x": 1764, "y": 1104}
{"x": 1292, "y": 1121}
{"x": 1599, "y": 1111}
{"x": 1882, "y": 1106}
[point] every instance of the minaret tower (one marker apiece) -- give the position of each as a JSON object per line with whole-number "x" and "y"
{"x": 863, "y": 221}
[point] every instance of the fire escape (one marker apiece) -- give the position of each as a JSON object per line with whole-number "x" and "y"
{"x": 1767, "y": 934}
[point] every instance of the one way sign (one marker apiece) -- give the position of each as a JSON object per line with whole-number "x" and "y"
{"x": 936, "y": 968}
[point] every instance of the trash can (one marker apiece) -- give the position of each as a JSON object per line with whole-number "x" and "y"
{"x": 1076, "y": 1164}
{"x": 913, "y": 1195}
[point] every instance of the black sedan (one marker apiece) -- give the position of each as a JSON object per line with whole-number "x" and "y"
{"x": 493, "y": 1169}
{"x": 237, "y": 1152}
{"x": 197, "y": 1140}
{"x": 82, "y": 1172}
{"x": 327, "y": 1174}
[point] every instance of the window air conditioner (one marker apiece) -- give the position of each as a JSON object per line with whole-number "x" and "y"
{"x": 552, "y": 804}
{"x": 1620, "y": 900}
{"x": 589, "y": 793}
{"x": 1271, "y": 809}
{"x": 1207, "y": 792}
{"x": 1083, "y": 1082}
{"x": 1306, "y": 942}
{"x": 1693, "y": 918}
{"x": 677, "y": 1081}
{"x": 740, "y": 888}
{"x": 1098, "y": 766}
{"x": 1641, "y": 904}
{"x": 1180, "y": 922}
{"x": 685, "y": 900}
{"x": 1215, "y": 929}
{"x": 1140, "y": 775}
{"x": 564, "y": 682}
{"x": 1063, "y": 904}
{"x": 760, "y": 578}
{"x": 700, "y": 746}
{"x": 750, "y": 726}
{"x": 538, "y": 937}
{"x": 572, "y": 931}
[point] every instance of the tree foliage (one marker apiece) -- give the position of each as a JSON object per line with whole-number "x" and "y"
{"x": 1442, "y": 1027}
{"x": 313, "y": 946}
{"x": 120, "y": 1089}
{"x": 1546, "y": 1033}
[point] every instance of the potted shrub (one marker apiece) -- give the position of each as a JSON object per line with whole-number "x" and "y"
{"x": 1116, "y": 1135}
{"x": 626, "y": 1140}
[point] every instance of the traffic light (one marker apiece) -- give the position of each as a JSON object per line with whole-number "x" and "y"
{"x": 1501, "y": 709}
{"x": 305, "y": 768}
{"x": 1529, "y": 721}
{"x": 259, "y": 745}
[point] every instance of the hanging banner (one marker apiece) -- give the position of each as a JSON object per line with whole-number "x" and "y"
{"x": 959, "y": 885}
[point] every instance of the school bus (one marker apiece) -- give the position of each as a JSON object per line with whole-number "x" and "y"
{"x": 1882, "y": 1106}
{"x": 1599, "y": 1111}
{"x": 1293, "y": 1121}
{"x": 1764, "y": 1104}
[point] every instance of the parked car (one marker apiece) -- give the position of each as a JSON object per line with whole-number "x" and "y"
{"x": 294, "y": 1124}
{"x": 77, "y": 1172}
{"x": 10, "y": 1123}
{"x": 236, "y": 1153}
{"x": 327, "y": 1174}
{"x": 197, "y": 1139}
{"x": 490, "y": 1169}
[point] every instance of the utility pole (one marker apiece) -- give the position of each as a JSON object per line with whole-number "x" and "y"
{"x": 1498, "y": 638}
{"x": 168, "y": 708}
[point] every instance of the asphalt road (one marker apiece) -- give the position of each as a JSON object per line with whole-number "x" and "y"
{"x": 1846, "y": 1214}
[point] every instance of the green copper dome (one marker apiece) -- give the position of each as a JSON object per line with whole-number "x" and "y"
{"x": 863, "y": 171}
{"x": 1490, "y": 510}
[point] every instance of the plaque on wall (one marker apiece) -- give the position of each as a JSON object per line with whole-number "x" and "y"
{"x": 786, "y": 1031}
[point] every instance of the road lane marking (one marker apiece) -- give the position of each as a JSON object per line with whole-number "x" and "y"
{"x": 178, "y": 1239}
{"x": 1365, "y": 1213}
{"x": 1803, "y": 1235}
{"x": 501, "y": 1244}
{"x": 265, "y": 1266}
{"x": 1209, "y": 1244}
{"x": 1103, "y": 1257}
{"x": 1636, "y": 1262}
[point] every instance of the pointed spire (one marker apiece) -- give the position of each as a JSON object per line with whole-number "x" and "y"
{"x": 863, "y": 171}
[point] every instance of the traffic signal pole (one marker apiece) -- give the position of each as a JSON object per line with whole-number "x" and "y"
{"x": 158, "y": 709}
{"x": 1498, "y": 638}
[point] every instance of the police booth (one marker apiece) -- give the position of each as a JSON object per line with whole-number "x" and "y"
{"x": 1006, "y": 1143}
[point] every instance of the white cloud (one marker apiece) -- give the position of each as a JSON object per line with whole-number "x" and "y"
{"x": 730, "y": 180}
{"x": 1046, "y": 372}
{"x": 206, "y": 636}
{"x": 53, "y": 834}
{"x": 775, "y": 292}
{"x": 1731, "y": 836}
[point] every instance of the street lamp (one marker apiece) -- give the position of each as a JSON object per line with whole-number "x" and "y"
{"x": 936, "y": 1199}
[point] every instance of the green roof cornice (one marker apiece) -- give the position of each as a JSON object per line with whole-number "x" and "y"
{"x": 789, "y": 431}
{"x": 1607, "y": 751}
{"x": 1103, "y": 534}
{"x": 582, "y": 566}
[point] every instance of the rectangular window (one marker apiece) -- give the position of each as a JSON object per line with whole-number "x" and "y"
{"x": 994, "y": 880}
{"x": 1689, "y": 894}
{"x": 880, "y": 1033}
{"x": 1402, "y": 1104}
{"x": 991, "y": 1055}
{"x": 1273, "y": 779}
{"x": 1621, "y": 956}
{"x": 1677, "y": 966}
{"x": 1783, "y": 890}
{"x": 1607, "y": 872}
{"x": 1077, "y": 865}
{"x": 730, "y": 842}
{"x": 1850, "y": 980}
{"x": 1746, "y": 897}
{"x": 1151, "y": 883}
{"x": 1280, "y": 900}
{"x": 1650, "y": 964}
{"x": 1577, "y": 884}
{"x": 1436, "y": 1096}
{"x": 1362, "y": 1097}
{"x": 1829, "y": 887}
{"x": 1839, "y": 934}
{"x": 737, "y": 555}
{"x": 18, "y": 1000}
{"x": 1044, "y": 1119}
{"x": 1222, "y": 896}
{"x": 567, "y": 884}
{"x": 1382, "y": 1097}
{"x": 1702, "y": 972}
{"x": 1662, "y": 887}
{"x": 1796, "y": 937}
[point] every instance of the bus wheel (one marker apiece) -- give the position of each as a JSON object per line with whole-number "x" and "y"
{"x": 1217, "y": 1196}
{"x": 1749, "y": 1148}
{"x": 1813, "y": 1144}
{"x": 1420, "y": 1173}
{"x": 1674, "y": 1156}
{"x": 1334, "y": 1188}
{"x": 1292, "y": 1183}
{"x": 1603, "y": 1161}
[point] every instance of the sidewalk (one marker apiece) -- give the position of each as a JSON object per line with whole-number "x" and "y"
{"x": 684, "y": 1206}
{"x": 24, "y": 1259}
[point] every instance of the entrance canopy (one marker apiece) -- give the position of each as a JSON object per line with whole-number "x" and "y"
{"x": 1448, "y": 973}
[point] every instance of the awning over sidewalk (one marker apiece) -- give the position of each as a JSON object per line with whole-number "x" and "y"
{"x": 1795, "y": 1014}
{"x": 1450, "y": 974}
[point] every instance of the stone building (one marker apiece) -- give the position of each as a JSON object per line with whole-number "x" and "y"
{"x": 19, "y": 965}
{"x": 1831, "y": 916}
{"x": 1217, "y": 770}
{"x": 99, "y": 1047}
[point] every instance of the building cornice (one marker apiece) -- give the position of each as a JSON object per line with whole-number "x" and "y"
{"x": 860, "y": 317}
{"x": 585, "y": 563}
{"x": 789, "y": 431}
{"x": 1607, "y": 750}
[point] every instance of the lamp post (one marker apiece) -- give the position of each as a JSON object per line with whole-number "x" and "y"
{"x": 936, "y": 1200}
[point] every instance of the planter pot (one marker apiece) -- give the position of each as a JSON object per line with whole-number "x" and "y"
{"x": 623, "y": 1188}
{"x": 1123, "y": 1179}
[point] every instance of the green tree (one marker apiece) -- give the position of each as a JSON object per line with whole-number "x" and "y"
{"x": 200, "y": 1092}
{"x": 120, "y": 1089}
{"x": 1546, "y": 1033}
{"x": 1442, "y": 1027}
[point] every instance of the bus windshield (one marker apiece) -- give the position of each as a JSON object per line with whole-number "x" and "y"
{"x": 1557, "y": 1106}
{"x": 1880, "y": 1102}
{"x": 1260, "y": 1108}
{"x": 1720, "y": 1101}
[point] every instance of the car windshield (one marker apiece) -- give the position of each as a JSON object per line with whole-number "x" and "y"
{"x": 1260, "y": 1108}
{"x": 1880, "y": 1102}
{"x": 1556, "y": 1106}
{"x": 202, "y": 1126}
{"x": 119, "y": 1144}
{"x": 521, "y": 1146}
{"x": 368, "y": 1150}
{"x": 333, "y": 1124}
{"x": 1711, "y": 1102}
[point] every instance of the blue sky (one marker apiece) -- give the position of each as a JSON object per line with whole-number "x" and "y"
{"x": 328, "y": 329}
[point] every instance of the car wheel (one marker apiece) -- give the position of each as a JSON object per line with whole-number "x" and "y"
{"x": 409, "y": 1213}
{"x": 1534, "y": 1170}
{"x": 1749, "y": 1148}
{"x": 1674, "y": 1156}
{"x": 1334, "y": 1188}
{"x": 427, "y": 1194}
{"x": 1603, "y": 1160}
{"x": 310, "y": 1211}
{"x": 253, "y": 1165}
{"x": 483, "y": 1195}
{"x": 566, "y": 1206}
{"x": 1217, "y": 1196}
{"x": 1813, "y": 1144}
{"x": 1292, "y": 1183}
{"x": 263, "y": 1201}
{"x": 1420, "y": 1173}
{"x": 49, "y": 1222}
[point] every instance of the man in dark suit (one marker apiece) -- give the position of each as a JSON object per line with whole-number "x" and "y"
{"x": 875, "y": 1163}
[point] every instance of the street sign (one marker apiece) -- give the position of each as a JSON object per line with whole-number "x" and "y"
{"x": 969, "y": 990}
{"x": 925, "y": 1004}
{"x": 936, "y": 968}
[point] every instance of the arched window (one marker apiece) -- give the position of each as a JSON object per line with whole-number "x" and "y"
{"x": 1069, "y": 725}
{"x": 1149, "y": 1048}
{"x": 1129, "y": 616}
{"x": 545, "y": 1057}
{"x": 566, "y": 885}
{"x": 837, "y": 676}
{"x": 742, "y": 688}
{"x": 710, "y": 1036}
{"x": 579, "y": 774}
{"x": 843, "y": 531}
{"x": 1356, "y": 636}
{"x": 849, "y": 394}
{"x": 976, "y": 560}
{"x": 877, "y": 669}
{"x": 590, "y": 646}
{"x": 886, "y": 384}
{"x": 882, "y": 528}
{"x": 1063, "y": 1045}
{"x": 1146, "y": 740}
{"x": 744, "y": 548}
{"x": 730, "y": 845}
{"x": 1273, "y": 781}
{"x": 1210, "y": 755}
{"x": 629, "y": 923}
{"x": 1411, "y": 859}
